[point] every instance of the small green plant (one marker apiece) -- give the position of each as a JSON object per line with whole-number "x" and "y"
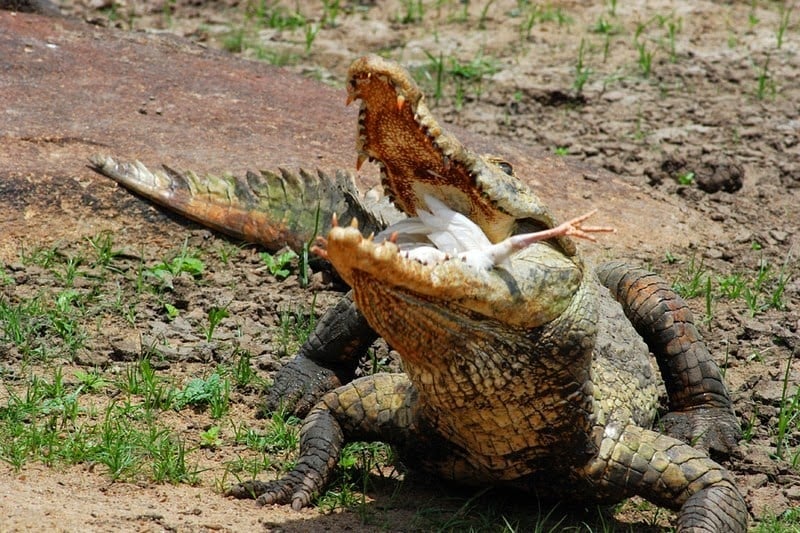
{"x": 310, "y": 34}
{"x": 41, "y": 256}
{"x": 331, "y": 10}
{"x": 785, "y": 14}
{"x": 561, "y": 151}
{"x": 414, "y": 11}
{"x": 21, "y": 324}
{"x": 243, "y": 373}
{"x": 172, "y": 311}
{"x": 91, "y": 381}
{"x": 103, "y": 246}
{"x": 226, "y": 250}
{"x": 277, "y": 264}
{"x": 271, "y": 14}
{"x": 437, "y": 67}
{"x": 603, "y": 26}
{"x": 282, "y": 434}
{"x": 235, "y": 41}
{"x": 484, "y": 14}
{"x": 732, "y": 286}
{"x": 789, "y": 413}
{"x": 166, "y": 12}
{"x": 69, "y": 270}
{"x": 210, "y": 438}
{"x": 693, "y": 286}
{"x": 752, "y": 18}
{"x": 765, "y": 85}
{"x": 142, "y": 379}
{"x": 167, "y": 456}
{"x": 685, "y": 178}
{"x": 536, "y": 13}
{"x": 470, "y": 75}
{"x": 357, "y": 462}
{"x": 213, "y": 392}
{"x": 645, "y": 58}
{"x": 5, "y": 277}
{"x": 582, "y": 72}
{"x": 186, "y": 261}
{"x": 215, "y": 316}
{"x": 673, "y": 28}
{"x": 295, "y": 327}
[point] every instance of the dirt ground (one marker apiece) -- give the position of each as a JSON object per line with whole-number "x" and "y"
{"x": 695, "y": 104}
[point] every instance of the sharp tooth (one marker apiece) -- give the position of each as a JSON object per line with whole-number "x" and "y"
{"x": 360, "y": 160}
{"x": 354, "y": 223}
{"x": 393, "y": 237}
{"x": 335, "y": 220}
{"x": 350, "y": 98}
{"x": 371, "y": 236}
{"x": 400, "y": 101}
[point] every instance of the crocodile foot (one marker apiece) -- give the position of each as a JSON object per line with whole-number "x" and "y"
{"x": 298, "y": 386}
{"x": 320, "y": 444}
{"x": 270, "y": 492}
{"x": 714, "y": 429}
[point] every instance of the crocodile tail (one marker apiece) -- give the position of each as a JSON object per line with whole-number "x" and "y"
{"x": 665, "y": 322}
{"x": 267, "y": 208}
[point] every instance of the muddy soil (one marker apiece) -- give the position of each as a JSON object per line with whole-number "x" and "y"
{"x": 696, "y": 102}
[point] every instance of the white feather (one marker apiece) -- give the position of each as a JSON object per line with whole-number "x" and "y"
{"x": 439, "y": 232}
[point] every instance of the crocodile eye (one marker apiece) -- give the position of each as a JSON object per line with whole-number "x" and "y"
{"x": 506, "y": 167}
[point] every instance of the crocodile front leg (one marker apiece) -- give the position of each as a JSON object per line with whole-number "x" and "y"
{"x": 700, "y": 407}
{"x": 669, "y": 473}
{"x": 370, "y": 408}
{"x": 328, "y": 359}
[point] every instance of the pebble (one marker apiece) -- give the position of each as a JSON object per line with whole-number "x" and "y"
{"x": 779, "y": 235}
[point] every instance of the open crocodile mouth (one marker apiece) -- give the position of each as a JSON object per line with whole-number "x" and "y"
{"x": 444, "y": 258}
{"x": 417, "y": 158}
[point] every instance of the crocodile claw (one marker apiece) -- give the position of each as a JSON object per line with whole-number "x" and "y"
{"x": 271, "y": 492}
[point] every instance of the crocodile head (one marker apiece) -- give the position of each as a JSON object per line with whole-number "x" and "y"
{"x": 418, "y": 158}
{"x": 463, "y": 208}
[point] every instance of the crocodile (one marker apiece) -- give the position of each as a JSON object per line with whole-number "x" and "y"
{"x": 524, "y": 366}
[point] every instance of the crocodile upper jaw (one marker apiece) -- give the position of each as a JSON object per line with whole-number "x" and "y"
{"x": 416, "y": 156}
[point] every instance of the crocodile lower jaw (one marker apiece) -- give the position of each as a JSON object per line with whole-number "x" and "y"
{"x": 448, "y": 281}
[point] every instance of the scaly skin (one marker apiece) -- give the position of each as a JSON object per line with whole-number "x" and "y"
{"x": 526, "y": 374}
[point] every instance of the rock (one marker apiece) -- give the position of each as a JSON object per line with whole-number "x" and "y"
{"x": 754, "y": 329}
{"x": 91, "y": 357}
{"x": 127, "y": 348}
{"x": 779, "y": 235}
{"x": 772, "y": 392}
{"x": 719, "y": 173}
{"x": 793, "y": 492}
{"x": 767, "y": 500}
{"x": 758, "y": 460}
{"x": 713, "y": 173}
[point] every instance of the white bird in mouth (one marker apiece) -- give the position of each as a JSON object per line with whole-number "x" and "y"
{"x": 439, "y": 234}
